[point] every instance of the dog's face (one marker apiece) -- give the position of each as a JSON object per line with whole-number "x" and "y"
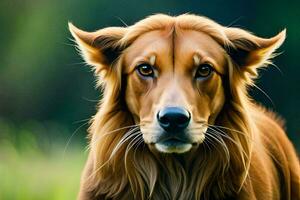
{"x": 174, "y": 69}
{"x": 174, "y": 87}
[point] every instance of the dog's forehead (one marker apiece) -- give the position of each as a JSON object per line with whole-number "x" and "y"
{"x": 190, "y": 44}
{"x": 175, "y": 48}
{"x": 154, "y": 43}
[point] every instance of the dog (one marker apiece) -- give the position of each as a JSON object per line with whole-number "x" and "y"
{"x": 176, "y": 120}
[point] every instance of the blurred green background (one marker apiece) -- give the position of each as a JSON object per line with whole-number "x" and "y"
{"x": 47, "y": 94}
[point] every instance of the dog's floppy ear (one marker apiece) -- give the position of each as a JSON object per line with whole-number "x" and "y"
{"x": 100, "y": 48}
{"x": 249, "y": 51}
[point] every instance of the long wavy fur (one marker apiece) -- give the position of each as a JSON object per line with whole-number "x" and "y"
{"x": 123, "y": 166}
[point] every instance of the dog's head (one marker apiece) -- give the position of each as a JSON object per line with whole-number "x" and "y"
{"x": 174, "y": 74}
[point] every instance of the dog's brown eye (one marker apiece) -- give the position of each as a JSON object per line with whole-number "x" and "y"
{"x": 204, "y": 70}
{"x": 145, "y": 70}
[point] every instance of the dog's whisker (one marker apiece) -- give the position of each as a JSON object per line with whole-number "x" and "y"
{"x": 100, "y": 136}
{"x": 139, "y": 142}
{"x": 264, "y": 93}
{"x": 222, "y": 144}
{"x": 276, "y": 67}
{"x": 219, "y": 135}
{"x": 129, "y": 133}
{"x": 226, "y": 128}
{"x": 83, "y": 120}
{"x": 126, "y": 137}
{"x": 241, "y": 150}
{"x": 71, "y": 137}
{"x": 219, "y": 128}
{"x": 123, "y": 140}
{"x": 90, "y": 100}
{"x": 209, "y": 143}
{"x": 206, "y": 145}
{"x": 130, "y": 145}
{"x": 231, "y": 140}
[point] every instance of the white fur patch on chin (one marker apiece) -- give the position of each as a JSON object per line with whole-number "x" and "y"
{"x": 182, "y": 148}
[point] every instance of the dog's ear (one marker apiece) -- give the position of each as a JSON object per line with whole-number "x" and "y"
{"x": 100, "y": 48}
{"x": 249, "y": 51}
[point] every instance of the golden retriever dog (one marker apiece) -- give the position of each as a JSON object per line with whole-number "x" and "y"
{"x": 176, "y": 121}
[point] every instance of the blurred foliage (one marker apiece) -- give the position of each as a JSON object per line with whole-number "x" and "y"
{"x": 38, "y": 168}
{"x": 46, "y": 92}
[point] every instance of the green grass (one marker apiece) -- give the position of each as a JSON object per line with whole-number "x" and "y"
{"x": 29, "y": 172}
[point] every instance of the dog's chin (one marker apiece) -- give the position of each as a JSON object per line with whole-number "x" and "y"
{"x": 173, "y": 146}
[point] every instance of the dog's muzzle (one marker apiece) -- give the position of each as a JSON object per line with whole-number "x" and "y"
{"x": 174, "y": 121}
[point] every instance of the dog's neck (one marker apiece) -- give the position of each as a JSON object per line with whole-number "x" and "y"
{"x": 171, "y": 176}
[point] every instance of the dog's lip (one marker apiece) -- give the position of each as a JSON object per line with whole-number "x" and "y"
{"x": 174, "y": 141}
{"x": 173, "y": 145}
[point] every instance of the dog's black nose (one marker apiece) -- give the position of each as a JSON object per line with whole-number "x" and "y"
{"x": 173, "y": 119}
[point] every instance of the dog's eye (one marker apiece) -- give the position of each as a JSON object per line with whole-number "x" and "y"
{"x": 204, "y": 70}
{"x": 145, "y": 70}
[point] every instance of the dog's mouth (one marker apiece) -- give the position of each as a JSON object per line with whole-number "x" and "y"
{"x": 177, "y": 142}
{"x": 174, "y": 145}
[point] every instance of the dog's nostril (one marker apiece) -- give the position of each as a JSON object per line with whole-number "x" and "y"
{"x": 173, "y": 118}
{"x": 164, "y": 120}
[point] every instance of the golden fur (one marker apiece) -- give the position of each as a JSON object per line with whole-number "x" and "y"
{"x": 243, "y": 153}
